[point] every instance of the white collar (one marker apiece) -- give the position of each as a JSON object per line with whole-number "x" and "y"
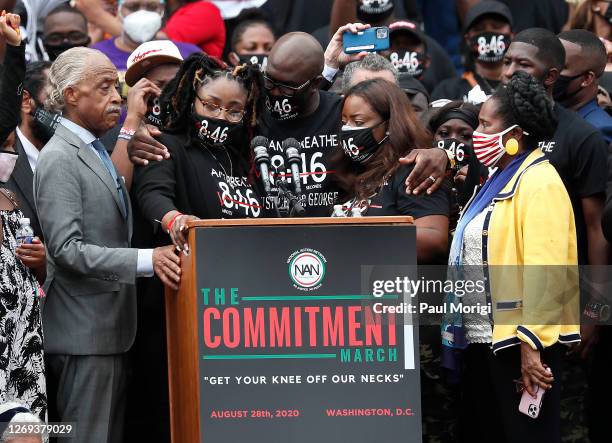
{"x": 31, "y": 151}
{"x": 86, "y": 136}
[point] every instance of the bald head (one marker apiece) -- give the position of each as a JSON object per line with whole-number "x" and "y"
{"x": 295, "y": 58}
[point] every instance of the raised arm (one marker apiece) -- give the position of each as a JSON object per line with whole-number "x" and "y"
{"x": 12, "y": 75}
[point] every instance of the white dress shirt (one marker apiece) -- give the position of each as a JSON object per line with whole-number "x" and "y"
{"x": 144, "y": 267}
{"x": 31, "y": 151}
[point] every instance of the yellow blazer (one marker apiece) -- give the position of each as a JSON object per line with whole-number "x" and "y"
{"x": 531, "y": 260}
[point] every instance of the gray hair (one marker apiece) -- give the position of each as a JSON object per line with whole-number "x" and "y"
{"x": 68, "y": 69}
{"x": 24, "y": 418}
{"x": 371, "y": 62}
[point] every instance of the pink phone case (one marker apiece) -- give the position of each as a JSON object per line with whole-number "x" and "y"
{"x": 531, "y": 406}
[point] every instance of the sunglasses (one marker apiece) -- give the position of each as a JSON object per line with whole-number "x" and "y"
{"x": 284, "y": 89}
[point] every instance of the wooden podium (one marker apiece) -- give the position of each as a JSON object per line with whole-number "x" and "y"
{"x": 182, "y": 313}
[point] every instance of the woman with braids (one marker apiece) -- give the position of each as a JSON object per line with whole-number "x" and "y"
{"x": 209, "y": 115}
{"x": 380, "y": 127}
{"x": 522, "y": 219}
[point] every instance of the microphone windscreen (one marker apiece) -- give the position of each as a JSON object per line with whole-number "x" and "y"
{"x": 260, "y": 140}
{"x": 291, "y": 143}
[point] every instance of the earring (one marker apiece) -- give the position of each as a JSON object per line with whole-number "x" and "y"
{"x": 512, "y": 146}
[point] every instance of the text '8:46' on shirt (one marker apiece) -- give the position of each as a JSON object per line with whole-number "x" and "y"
{"x": 318, "y": 134}
{"x": 196, "y": 180}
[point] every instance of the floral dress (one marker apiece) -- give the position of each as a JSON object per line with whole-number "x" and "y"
{"x": 22, "y": 375}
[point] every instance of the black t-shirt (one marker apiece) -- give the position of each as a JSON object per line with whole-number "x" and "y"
{"x": 318, "y": 134}
{"x": 580, "y": 155}
{"x": 196, "y": 180}
{"x": 548, "y": 14}
{"x": 457, "y": 88}
{"x": 392, "y": 199}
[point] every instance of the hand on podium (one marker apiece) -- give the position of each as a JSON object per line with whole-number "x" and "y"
{"x": 175, "y": 225}
{"x": 167, "y": 266}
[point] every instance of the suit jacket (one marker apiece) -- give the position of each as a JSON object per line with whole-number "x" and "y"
{"x": 22, "y": 185}
{"x": 90, "y": 307}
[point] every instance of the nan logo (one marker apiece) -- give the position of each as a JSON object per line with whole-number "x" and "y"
{"x": 307, "y": 269}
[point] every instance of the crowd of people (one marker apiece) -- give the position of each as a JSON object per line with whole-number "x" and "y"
{"x": 488, "y": 122}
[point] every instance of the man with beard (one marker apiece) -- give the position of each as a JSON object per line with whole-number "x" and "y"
{"x": 31, "y": 136}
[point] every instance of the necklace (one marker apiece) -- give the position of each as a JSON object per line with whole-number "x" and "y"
{"x": 231, "y": 174}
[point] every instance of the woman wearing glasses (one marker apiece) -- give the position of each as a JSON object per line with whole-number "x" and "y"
{"x": 210, "y": 113}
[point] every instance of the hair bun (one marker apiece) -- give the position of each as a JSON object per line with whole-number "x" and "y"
{"x": 531, "y": 106}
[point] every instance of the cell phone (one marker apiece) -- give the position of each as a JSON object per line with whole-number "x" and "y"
{"x": 370, "y": 40}
{"x": 530, "y": 406}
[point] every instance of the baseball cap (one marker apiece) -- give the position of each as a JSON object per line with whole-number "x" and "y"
{"x": 407, "y": 26}
{"x": 488, "y": 7}
{"x": 411, "y": 85}
{"x": 147, "y": 56}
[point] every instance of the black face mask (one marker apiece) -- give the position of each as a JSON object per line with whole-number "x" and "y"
{"x": 260, "y": 60}
{"x": 412, "y": 63}
{"x": 359, "y": 144}
{"x": 44, "y": 124}
{"x": 285, "y": 107}
{"x": 53, "y": 51}
{"x": 374, "y": 11}
{"x": 490, "y": 47}
{"x": 153, "y": 115}
{"x": 459, "y": 149}
{"x": 560, "y": 88}
{"x": 215, "y": 132}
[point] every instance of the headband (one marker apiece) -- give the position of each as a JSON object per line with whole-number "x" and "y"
{"x": 460, "y": 114}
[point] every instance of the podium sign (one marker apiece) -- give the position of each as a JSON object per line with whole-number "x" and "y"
{"x": 289, "y": 346}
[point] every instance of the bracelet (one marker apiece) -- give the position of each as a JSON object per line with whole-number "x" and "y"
{"x": 127, "y": 131}
{"x": 171, "y": 222}
{"x": 125, "y": 137}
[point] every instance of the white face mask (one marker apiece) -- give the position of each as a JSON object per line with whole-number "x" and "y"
{"x": 7, "y": 164}
{"x": 141, "y": 26}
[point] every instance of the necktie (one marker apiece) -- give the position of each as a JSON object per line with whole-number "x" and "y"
{"x": 101, "y": 149}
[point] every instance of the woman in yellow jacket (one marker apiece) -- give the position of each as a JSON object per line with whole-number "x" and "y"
{"x": 517, "y": 236}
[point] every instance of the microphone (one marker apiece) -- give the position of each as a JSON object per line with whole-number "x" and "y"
{"x": 291, "y": 147}
{"x": 259, "y": 145}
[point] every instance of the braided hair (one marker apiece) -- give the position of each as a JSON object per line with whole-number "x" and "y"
{"x": 524, "y": 102}
{"x": 197, "y": 70}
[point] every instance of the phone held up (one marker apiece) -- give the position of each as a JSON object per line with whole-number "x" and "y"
{"x": 369, "y": 40}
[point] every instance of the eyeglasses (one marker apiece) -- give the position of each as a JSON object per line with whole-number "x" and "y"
{"x": 133, "y": 6}
{"x": 284, "y": 89}
{"x": 74, "y": 38}
{"x": 213, "y": 110}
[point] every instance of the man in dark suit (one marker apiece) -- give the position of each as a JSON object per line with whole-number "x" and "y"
{"x": 31, "y": 136}
{"x": 89, "y": 314}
